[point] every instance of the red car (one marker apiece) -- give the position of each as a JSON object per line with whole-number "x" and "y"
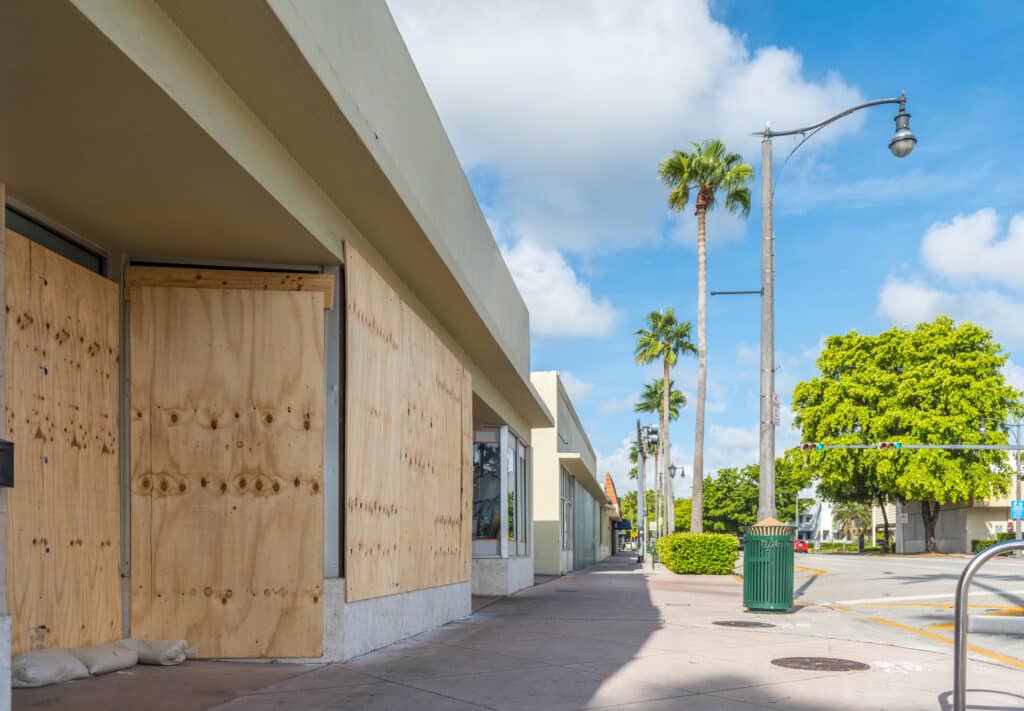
{"x": 800, "y": 546}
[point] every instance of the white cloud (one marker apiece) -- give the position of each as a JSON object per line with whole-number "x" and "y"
{"x": 908, "y": 302}
{"x": 1014, "y": 374}
{"x": 747, "y": 354}
{"x": 970, "y": 248}
{"x": 573, "y": 105}
{"x": 579, "y": 390}
{"x": 613, "y": 406}
{"x": 811, "y": 353}
{"x": 560, "y": 304}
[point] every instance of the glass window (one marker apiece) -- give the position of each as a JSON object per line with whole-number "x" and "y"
{"x": 522, "y": 478}
{"x": 500, "y": 474}
{"x": 567, "y": 504}
{"x": 486, "y": 485}
{"x": 510, "y": 470}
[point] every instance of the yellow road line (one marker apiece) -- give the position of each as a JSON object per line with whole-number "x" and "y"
{"x": 816, "y": 571}
{"x": 841, "y": 608}
{"x": 932, "y": 604}
{"x": 981, "y": 651}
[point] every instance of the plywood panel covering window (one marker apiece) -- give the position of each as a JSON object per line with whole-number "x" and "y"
{"x": 408, "y": 446}
{"x": 63, "y": 581}
{"x": 227, "y": 404}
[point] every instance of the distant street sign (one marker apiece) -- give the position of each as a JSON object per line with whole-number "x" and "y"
{"x": 1017, "y": 510}
{"x": 652, "y": 525}
{"x": 633, "y": 533}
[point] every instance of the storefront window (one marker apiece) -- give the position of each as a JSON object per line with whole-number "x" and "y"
{"x": 567, "y": 503}
{"x": 500, "y": 473}
{"x": 486, "y": 490}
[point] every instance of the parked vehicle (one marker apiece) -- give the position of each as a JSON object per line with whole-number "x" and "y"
{"x": 800, "y": 546}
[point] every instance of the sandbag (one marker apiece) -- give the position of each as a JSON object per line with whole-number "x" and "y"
{"x": 158, "y": 651}
{"x": 106, "y": 658}
{"x": 43, "y": 667}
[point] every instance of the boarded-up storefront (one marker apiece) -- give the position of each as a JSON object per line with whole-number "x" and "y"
{"x": 227, "y": 406}
{"x": 408, "y": 453}
{"x": 63, "y": 529}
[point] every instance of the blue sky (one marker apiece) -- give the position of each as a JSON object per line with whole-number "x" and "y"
{"x": 560, "y": 112}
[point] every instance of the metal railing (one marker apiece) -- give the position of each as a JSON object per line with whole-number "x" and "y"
{"x": 961, "y": 620}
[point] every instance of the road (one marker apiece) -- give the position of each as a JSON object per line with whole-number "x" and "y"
{"x": 908, "y": 600}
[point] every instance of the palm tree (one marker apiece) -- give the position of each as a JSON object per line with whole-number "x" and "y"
{"x": 634, "y": 457}
{"x": 652, "y": 400}
{"x": 708, "y": 170}
{"x": 851, "y": 516}
{"x": 664, "y": 339}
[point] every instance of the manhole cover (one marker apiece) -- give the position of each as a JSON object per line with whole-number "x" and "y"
{"x": 741, "y": 623}
{"x": 820, "y": 664}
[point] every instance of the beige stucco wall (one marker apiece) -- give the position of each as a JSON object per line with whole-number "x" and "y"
{"x": 567, "y": 437}
{"x": 230, "y": 100}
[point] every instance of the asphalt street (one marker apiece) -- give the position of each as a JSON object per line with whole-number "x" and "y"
{"x": 909, "y": 600}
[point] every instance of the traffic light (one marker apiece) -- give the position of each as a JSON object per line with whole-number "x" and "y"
{"x": 812, "y": 446}
{"x": 890, "y": 445}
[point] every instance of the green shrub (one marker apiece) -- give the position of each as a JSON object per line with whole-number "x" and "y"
{"x": 699, "y": 553}
{"x": 978, "y": 545}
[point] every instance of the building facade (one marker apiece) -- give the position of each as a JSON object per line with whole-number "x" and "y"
{"x": 256, "y": 324}
{"x": 959, "y": 525}
{"x": 571, "y": 512}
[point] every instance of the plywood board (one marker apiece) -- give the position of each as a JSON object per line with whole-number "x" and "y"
{"x": 63, "y": 523}
{"x": 408, "y": 462}
{"x": 227, "y": 469}
{"x": 194, "y": 278}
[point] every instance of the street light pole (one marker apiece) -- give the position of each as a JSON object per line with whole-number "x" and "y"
{"x": 901, "y": 144}
{"x": 641, "y": 499}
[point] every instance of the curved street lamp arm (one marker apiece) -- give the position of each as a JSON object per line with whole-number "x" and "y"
{"x": 769, "y": 133}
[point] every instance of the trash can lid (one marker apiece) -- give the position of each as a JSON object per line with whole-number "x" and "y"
{"x": 768, "y": 522}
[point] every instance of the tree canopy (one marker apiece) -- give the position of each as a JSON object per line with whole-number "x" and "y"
{"x": 653, "y": 395}
{"x": 934, "y": 384}
{"x": 730, "y": 496}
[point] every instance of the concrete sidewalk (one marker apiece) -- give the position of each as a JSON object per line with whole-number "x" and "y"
{"x": 611, "y": 637}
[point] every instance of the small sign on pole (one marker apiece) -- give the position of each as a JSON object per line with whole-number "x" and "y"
{"x": 1017, "y": 509}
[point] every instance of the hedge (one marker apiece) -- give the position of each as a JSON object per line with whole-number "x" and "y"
{"x": 699, "y": 553}
{"x": 977, "y": 546}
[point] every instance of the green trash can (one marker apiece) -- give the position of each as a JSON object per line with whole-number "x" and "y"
{"x": 768, "y": 567}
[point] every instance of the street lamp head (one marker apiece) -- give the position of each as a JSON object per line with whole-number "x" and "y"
{"x": 903, "y": 141}
{"x": 673, "y": 470}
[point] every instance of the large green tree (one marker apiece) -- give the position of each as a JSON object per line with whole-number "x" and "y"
{"x": 730, "y": 496}
{"x": 709, "y": 171}
{"x": 665, "y": 339}
{"x": 934, "y": 384}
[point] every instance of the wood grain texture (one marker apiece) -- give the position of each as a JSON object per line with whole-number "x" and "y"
{"x": 407, "y": 466}
{"x": 63, "y": 526}
{"x": 227, "y": 469}
{"x": 193, "y": 278}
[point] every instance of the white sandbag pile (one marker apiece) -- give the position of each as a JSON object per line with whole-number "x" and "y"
{"x": 53, "y": 666}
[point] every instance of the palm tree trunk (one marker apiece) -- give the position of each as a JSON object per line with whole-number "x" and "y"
{"x": 665, "y": 461}
{"x": 697, "y": 509}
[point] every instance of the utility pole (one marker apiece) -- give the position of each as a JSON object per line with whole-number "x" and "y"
{"x": 766, "y": 448}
